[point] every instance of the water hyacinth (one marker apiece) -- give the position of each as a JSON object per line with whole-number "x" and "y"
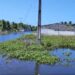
{"x": 23, "y": 50}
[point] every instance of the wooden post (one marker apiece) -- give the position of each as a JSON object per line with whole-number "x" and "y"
{"x": 39, "y": 22}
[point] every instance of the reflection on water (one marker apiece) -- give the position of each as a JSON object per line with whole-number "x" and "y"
{"x": 37, "y": 69}
{"x": 18, "y": 67}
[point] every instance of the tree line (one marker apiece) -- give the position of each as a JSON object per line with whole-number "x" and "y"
{"x": 69, "y": 23}
{"x": 12, "y": 26}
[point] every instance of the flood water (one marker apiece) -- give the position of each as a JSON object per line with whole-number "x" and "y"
{"x": 12, "y": 36}
{"x": 66, "y": 66}
{"x": 67, "y": 56}
{"x": 16, "y": 67}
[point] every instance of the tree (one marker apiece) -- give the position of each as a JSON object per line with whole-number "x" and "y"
{"x": 70, "y": 22}
{"x": 8, "y": 25}
{"x": 29, "y": 27}
{"x": 33, "y": 28}
{"x": 4, "y": 27}
{"x": 0, "y": 24}
{"x": 14, "y": 25}
{"x": 62, "y": 22}
{"x": 65, "y": 22}
{"x": 20, "y": 26}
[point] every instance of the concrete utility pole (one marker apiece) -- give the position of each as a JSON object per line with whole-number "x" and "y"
{"x": 39, "y": 22}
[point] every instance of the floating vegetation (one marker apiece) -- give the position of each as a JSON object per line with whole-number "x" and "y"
{"x": 23, "y": 50}
{"x": 67, "y": 53}
{"x": 17, "y": 49}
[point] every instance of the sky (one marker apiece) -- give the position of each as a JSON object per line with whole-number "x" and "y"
{"x": 26, "y": 11}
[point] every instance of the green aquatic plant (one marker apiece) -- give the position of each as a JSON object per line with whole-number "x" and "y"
{"x": 35, "y": 47}
{"x": 20, "y": 49}
{"x": 17, "y": 49}
{"x": 67, "y": 53}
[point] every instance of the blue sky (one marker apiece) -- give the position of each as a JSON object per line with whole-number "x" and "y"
{"x": 27, "y": 11}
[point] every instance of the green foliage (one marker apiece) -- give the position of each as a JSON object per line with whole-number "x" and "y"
{"x": 67, "y": 53}
{"x": 39, "y": 53}
{"x": 14, "y": 25}
{"x": 7, "y": 26}
{"x": 3, "y": 25}
{"x": 70, "y": 22}
{"x": 31, "y": 36}
{"x": 33, "y": 28}
{"x": 35, "y": 47}
{"x": 17, "y": 49}
{"x": 59, "y": 41}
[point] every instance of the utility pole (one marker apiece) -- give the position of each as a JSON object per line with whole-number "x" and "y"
{"x": 39, "y": 22}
